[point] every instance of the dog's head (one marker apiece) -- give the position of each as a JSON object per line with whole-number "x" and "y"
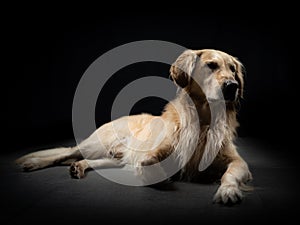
{"x": 209, "y": 74}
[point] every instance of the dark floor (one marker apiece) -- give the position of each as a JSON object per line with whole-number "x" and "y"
{"x": 50, "y": 195}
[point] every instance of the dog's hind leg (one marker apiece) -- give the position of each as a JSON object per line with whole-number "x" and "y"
{"x": 78, "y": 168}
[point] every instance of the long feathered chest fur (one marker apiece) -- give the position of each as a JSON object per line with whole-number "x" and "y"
{"x": 197, "y": 145}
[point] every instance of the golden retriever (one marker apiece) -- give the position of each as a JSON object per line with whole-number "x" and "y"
{"x": 191, "y": 127}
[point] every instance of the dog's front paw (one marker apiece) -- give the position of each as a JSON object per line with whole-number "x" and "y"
{"x": 228, "y": 194}
{"x": 76, "y": 170}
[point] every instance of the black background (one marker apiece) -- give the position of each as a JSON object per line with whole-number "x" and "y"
{"x": 49, "y": 49}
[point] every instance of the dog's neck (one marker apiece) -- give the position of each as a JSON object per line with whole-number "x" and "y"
{"x": 201, "y": 105}
{"x": 204, "y": 112}
{"x": 193, "y": 121}
{"x": 182, "y": 116}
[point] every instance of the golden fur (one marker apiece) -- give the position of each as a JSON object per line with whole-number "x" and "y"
{"x": 184, "y": 128}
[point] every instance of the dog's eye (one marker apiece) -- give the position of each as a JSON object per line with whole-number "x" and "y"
{"x": 232, "y": 68}
{"x": 212, "y": 65}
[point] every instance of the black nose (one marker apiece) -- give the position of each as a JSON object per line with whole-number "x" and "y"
{"x": 229, "y": 89}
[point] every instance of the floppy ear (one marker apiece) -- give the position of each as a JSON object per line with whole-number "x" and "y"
{"x": 240, "y": 71}
{"x": 183, "y": 67}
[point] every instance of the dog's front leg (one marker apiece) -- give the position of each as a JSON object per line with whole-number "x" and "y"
{"x": 233, "y": 180}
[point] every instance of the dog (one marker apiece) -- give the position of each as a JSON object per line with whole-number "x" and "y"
{"x": 192, "y": 127}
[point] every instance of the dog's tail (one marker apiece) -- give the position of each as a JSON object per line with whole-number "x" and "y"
{"x": 42, "y": 154}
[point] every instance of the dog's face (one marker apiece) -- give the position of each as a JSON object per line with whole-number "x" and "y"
{"x": 209, "y": 74}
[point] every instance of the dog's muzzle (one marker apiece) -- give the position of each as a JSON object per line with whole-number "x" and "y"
{"x": 230, "y": 89}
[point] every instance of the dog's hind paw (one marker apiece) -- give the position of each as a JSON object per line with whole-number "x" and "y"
{"x": 76, "y": 170}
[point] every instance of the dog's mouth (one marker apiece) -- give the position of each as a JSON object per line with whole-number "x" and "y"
{"x": 219, "y": 100}
{"x": 230, "y": 96}
{"x": 213, "y": 100}
{"x": 230, "y": 91}
{"x": 227, "y": 94}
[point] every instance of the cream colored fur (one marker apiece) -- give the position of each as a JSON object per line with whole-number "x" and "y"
{"x": 186, "y": 128}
